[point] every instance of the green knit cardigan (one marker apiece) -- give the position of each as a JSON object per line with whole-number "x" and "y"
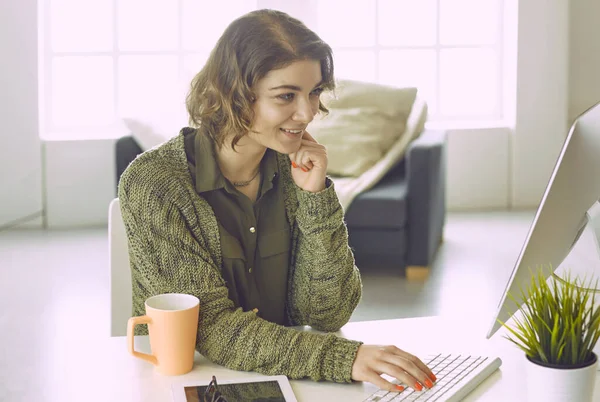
{"x": 174, "y": 246}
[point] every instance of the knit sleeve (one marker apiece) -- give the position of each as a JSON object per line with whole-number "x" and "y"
{"x": 326, "y": 286}
{"x": 168, "y": 254}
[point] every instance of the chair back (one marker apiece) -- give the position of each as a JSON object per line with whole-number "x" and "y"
{"x": 119, "y": 272}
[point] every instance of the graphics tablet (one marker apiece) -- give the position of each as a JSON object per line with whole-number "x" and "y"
{"x": 255, "y": 389}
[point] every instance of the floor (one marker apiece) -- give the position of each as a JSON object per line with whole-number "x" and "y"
{"x": 468, "y": 275}
{"x": 54, "y": 284}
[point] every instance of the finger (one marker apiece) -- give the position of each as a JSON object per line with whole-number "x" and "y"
{"x": 423, "y": 367}
{"x": 416, "y": 374}
{"x": 304, "y": 160}
{"x": 297, "y": 159}
{"x": 381, "y": 383}
{"x": 307, "y": 160}
{"x": 418, "y": 377}
{"x": 314, "y": 157}
{"x": 307, "y": 136}
{"x": 305, "y": 144}
{"x": 414, "y": 365}
{"x": 308, "y": 154}
{"x": 400, "y": 374}
{"x": 292, "y": 157}
{"x": 311, "y": 143}
{"x": 419, "y": 363}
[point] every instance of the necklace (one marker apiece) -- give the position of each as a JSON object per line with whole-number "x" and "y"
{"x": 245, "y": 183}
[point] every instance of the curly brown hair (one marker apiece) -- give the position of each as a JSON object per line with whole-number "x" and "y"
{"x": 221, "y": 97}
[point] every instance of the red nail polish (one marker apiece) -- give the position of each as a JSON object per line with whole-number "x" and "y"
{"x": 418, "y": 387}
{"x": 400, "y": 388}
{"x": 428, "y": 383}
{"x": 294, "y": 164}
{"x": 433, "y": 377}
{"x": 304, "y": 170}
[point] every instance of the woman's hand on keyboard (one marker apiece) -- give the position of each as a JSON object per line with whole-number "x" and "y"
{"x": 373, "y": 360}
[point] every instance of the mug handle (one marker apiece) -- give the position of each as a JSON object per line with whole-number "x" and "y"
{"x": 131, "y": 323}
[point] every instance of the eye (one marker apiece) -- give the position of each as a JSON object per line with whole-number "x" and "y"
{"x": 286, "y": 97}
{"x": 317, "y": 91}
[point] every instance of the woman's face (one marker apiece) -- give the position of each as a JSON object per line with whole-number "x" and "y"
{"x": 287, "y": 100}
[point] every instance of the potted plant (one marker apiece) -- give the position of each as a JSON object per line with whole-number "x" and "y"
{"x": 557, "y": 327}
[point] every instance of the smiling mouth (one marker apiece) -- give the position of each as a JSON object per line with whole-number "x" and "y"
{"x": 295, "y": 132}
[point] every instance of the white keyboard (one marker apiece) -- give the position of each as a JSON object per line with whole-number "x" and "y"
{"x": 457, "y": 375}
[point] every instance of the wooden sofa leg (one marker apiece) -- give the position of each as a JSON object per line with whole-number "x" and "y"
{"x": 417, "y": 272}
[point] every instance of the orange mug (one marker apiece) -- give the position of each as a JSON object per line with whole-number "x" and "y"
{"x": 172, "y": 320}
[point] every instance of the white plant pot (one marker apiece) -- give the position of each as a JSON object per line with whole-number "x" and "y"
{"x": 596, "y": 350}
{"x": 550, "y": 384}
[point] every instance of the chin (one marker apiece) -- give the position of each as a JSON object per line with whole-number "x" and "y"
{"x": 287, "y": 146}
{"x": 286, "y": 149}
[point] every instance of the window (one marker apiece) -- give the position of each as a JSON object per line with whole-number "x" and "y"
{"x": 450, "y": 49}
{"x": 105, "y": 59}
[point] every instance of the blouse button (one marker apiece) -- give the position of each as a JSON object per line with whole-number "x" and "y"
{"x": 252, "y": 229}
{"x": 250, "y": 270}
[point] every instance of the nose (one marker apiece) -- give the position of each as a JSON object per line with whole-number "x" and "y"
{"x": 304, "y": 111}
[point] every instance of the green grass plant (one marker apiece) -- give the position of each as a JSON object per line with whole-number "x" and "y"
{"x": 560, "y": 320}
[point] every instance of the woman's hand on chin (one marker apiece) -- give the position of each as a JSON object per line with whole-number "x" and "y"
{"x": 309, "y": 164}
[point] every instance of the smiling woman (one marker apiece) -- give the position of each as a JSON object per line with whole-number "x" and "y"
{"x": 239, "y": 212}
{"x": 226, "y": 84}
{"x": 287, "y": 100}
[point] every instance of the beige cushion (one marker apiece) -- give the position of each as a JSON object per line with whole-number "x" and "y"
{"x": 348, "y": 188}
{"x": 388, "y": 99}
{"x": 363, "y": 123}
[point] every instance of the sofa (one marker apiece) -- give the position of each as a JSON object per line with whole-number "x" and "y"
{"x": 398, "y": 222}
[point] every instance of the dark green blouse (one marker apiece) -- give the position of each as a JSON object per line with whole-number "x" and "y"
{"x": 255, "y": 237}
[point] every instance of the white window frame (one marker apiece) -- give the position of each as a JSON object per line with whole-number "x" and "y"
{"x": 49, "y": 129}
{"x": 497, "y": 117}
{"x": 304, "y": 10}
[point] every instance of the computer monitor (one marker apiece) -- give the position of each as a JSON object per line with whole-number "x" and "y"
{"x": 569, "y": 204}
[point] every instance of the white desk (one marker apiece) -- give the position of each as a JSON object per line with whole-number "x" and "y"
{"x": 102, "y": 370}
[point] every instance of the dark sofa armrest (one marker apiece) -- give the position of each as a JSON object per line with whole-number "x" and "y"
{"x": 426, "y": 175}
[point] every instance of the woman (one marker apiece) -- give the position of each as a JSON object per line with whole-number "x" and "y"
{"x": 240, "y": 213}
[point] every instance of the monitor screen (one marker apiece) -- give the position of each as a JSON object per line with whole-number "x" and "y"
{"x": 563, "y": 212}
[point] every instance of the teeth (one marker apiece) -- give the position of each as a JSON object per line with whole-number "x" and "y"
{"x": 292, "y": 131}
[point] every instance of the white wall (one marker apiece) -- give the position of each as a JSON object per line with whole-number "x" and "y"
{"x": 20, "y": 157}
{"x": 509, "y": 167}
{"x": 584, "y": 57}
{"x": 542, "y": 97}
{"x": 478, "y": 169}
